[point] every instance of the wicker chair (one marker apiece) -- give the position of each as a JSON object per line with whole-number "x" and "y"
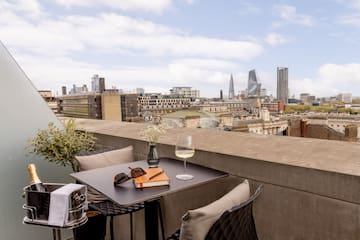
{"x": 110, "y": 209}
{"x": 236, "y": 223}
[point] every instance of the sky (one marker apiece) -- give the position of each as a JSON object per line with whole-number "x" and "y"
{"x": 160, "y": 44}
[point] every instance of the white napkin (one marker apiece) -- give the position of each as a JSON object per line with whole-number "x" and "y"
{"x": 59, "y": 204}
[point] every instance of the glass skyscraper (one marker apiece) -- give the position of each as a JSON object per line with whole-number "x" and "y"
{"x": 253, "y": 86}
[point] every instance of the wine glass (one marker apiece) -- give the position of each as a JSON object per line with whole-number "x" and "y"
{"x": 184, "y": 149}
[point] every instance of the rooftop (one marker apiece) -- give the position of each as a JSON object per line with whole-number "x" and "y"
{"x": 309, "y": 183}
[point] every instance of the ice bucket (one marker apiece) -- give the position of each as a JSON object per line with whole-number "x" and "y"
{"x": 37, "y": 204}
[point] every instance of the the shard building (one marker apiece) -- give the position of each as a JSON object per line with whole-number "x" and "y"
{"x": 231, "y": 88}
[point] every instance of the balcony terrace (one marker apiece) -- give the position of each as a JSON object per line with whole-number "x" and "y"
{"x": 311, "y": 186}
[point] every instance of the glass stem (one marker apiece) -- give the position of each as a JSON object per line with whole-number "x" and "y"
{"x": 184, "y": 165}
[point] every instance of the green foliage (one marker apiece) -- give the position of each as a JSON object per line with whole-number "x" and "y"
{"x": 323, "y": 108}
{"x": 345, "y": 110}
{"x": 297, "y": 108}
{"x": 61, "y": 145}
{"x": 308, "y": 108}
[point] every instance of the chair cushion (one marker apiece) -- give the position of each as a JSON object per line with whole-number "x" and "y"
{"x": 196, "y": 223}
{"x": 104, "y": 159}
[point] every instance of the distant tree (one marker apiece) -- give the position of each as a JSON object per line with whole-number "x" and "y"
{"x": 323, "y": 108}
{"x": 356, "y": 101}
{"x": 344, "y": 110}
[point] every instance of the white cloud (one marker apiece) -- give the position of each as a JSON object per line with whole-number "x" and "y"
{"x": 114, "y": 32}
{"x": 202, "y": 71}
{"x": 355, "y": 4}
{"x": 207, "y": 75}
{"x": 353, "y": 19}
{"x": 26, "y": 8}
{"x": 275, "y": 39}
{"x": 156, "y": 6}
{"x": 208, "y": 63}
{"x": 346, "y": 74}
{"x": 188, "y": 1}
{"x": 248, "y": 8}
{"x": 331, "y": 80}
{"x": 45, "y": 47}
{"x": 289, "y": 15}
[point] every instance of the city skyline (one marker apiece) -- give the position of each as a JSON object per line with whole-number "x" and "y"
{"x": 164, "y": 43}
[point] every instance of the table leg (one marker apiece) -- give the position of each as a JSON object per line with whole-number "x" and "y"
{"x": 56, "y": 234}
{"x": 151, "y": 220}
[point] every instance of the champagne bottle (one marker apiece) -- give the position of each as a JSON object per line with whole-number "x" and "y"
{"x": 35, "y": 182}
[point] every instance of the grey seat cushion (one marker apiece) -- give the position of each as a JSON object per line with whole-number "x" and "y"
{"x": 196, "y": 223}
{"x": 103, "y": 159}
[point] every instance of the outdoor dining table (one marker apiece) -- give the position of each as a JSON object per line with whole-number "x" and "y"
{"x": 126, "y": 195}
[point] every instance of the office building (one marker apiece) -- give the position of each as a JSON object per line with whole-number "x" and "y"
{"x": 63, "y": 90}
{"x": 140, "y": 91}
{"x": 129, "y": 107}
{"x": 254, "y": 88}
{"x": 263, "y": 92}
{"x": 345, "y": 97}
{"x": 119, "y": 107}
{"x": 304, "y": 98}
{"x": 97, "y": 84}
{"x": 231, "y": 88}
{"x": 186, "y": 92}
{"x": 159, "y": 104}
{"x": 282, "y": 91}
{"x": 80, "y": 106}
{"x": 274, "y": 107}
{"x": 78, "y": 90}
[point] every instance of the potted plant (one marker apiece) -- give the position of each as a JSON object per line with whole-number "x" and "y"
{"x": 61, "y": 145}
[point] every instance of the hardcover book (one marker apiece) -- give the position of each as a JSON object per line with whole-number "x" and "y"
{"x": 154, "y": 177}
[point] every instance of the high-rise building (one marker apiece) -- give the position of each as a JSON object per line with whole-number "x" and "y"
{"x": 63, "y": 90}
{"x": 263, "y": 92}
{"x": 140, "y": 91}
{"x": 78, "y": 90}
{"x": 101, "y": 85}
{"x": 254, "y": 87}
{"x": 231, "y": 88}
{"x": 282, "y": 91}
{"x": 97, "y": 84}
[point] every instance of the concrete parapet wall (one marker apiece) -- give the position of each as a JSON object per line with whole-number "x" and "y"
{"x": 312, "y": 186}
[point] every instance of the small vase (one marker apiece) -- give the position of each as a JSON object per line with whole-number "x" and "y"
{"x": 153, "y": 157}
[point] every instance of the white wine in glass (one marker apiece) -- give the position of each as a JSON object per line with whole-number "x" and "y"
{"x": 184, "y": 149}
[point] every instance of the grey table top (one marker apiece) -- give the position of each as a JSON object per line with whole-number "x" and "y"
{"x": 101, "y": 179}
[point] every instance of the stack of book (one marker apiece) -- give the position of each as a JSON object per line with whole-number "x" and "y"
{"x": 154, "y": 177}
